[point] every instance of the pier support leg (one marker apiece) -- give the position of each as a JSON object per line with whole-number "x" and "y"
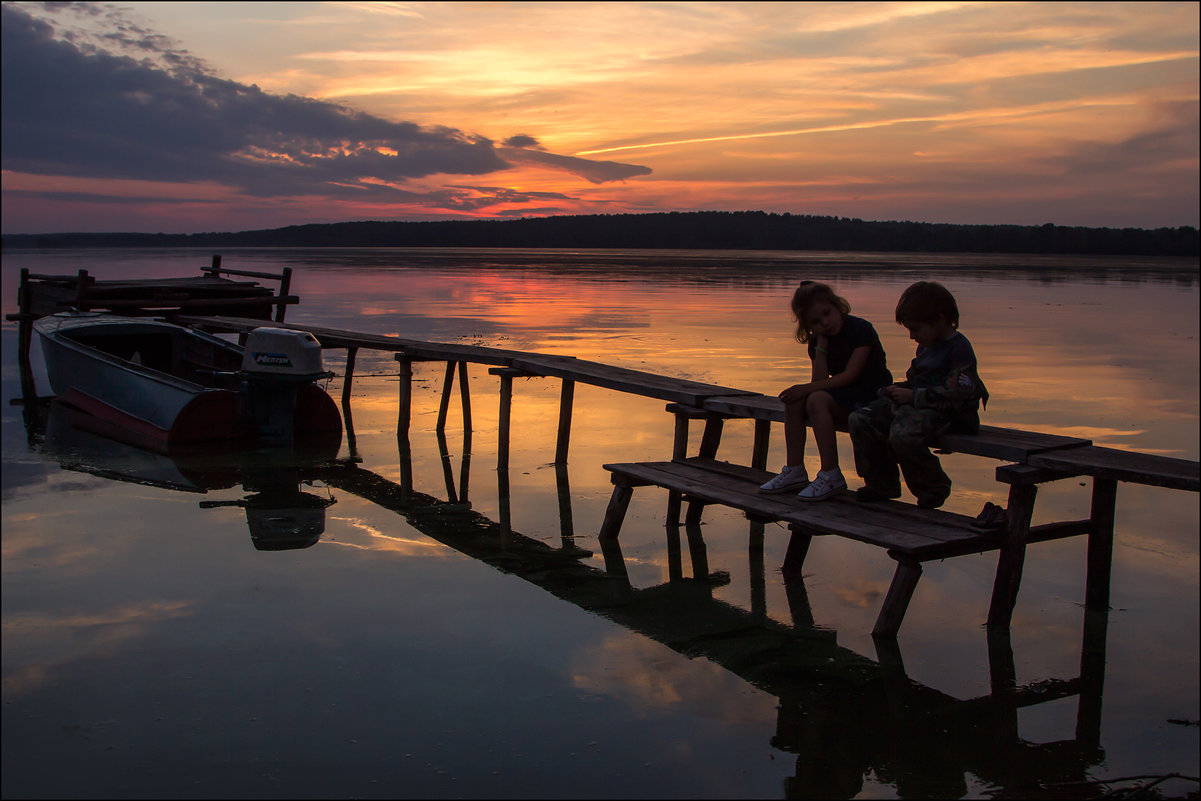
{"x": 711, "y": 438}
{"x": 698, "y": 554}
{"x": 1012, "y": 556}
{"x": 351, "y": 353}
{"x": 506, "y": 413}
{"x": 615, "y": 514}
{"x": 447, "y": 384}
{"x": 798, "y": 549}
{"x": 1092, "y": 679}
{"x": 679, "y": 452}
{"x": 405, "y": 413}
{"x": 757, "y": 571}
{"x": 904, "y": 581}
{"x": 566, "y": 399}
{"x": 762, "y": 440}
{"x": 1100, "y": 545}
{"x": 465, "y": 394}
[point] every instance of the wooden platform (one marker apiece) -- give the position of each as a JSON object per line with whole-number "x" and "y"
{"x": 910, "y": 535}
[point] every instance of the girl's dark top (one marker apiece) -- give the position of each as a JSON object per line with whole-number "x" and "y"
{"x": 855, "y": 333}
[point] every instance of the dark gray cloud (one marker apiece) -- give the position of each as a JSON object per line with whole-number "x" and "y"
{"x": 124, "y": 102}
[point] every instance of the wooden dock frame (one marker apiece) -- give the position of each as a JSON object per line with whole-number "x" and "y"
{"x": 1037, "y": 457}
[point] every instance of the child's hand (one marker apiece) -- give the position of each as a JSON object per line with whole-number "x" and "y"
{"x": 795, "y": 394}
{"x": 898, "y": 395}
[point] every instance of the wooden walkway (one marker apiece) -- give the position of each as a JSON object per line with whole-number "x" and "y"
{"x": 909, "y": 535}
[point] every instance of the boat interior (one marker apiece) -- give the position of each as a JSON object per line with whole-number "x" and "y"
{"x": 176, "y": 352}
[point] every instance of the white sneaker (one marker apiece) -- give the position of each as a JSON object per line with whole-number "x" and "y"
{"x": 790, "y": 478}
{"x": 826, "y": 484}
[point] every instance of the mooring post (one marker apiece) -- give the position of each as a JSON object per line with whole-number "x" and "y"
{"x": 25, "y": 319}
{"x": 1100, "y": 544}
{"x": 405, "y": 412}
{"x": 351, "y": 353}
{"x": 566, "y": 399}
{"x": 81, "y": 290}
{"x": 285, "y": 283}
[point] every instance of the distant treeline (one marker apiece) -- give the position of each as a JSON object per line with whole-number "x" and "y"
{"x": 713, "y": 230}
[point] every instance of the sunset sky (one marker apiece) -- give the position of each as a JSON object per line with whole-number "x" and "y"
{"x": 188, "y": 117}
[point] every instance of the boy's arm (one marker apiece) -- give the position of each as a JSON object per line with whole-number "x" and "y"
{"x": 962, "y": 387}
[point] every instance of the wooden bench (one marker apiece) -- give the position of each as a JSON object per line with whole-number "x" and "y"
{"x": 910, "y": 535}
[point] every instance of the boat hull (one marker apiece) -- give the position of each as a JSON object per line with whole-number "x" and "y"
{"x": 95, "y": 364}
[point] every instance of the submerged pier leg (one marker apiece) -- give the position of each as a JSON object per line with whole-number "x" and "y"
{"x": 447, "y": 384}
{"x": 1022, "y": 492}
{"x": 465, "y": 393}
{"x": 892, "y": 612}
{"x": 566, "y": 400}
{"x": 405, "y": 413}
{"x": 506, "y": 413}
{"x": 351, "y": 353}
{"x": 1100, "y": 545}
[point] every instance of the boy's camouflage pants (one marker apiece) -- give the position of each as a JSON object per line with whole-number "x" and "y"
{"x": 884, "y": 435}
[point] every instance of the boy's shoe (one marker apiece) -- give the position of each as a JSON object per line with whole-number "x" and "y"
{"x": 790, "y": 478}
{"x": 827, "y": 484}
{"x": 866, "y": 494}
{"x": 991, "y": 518}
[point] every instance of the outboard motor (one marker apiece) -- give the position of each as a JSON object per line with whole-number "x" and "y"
{"x": 275, "y": 364}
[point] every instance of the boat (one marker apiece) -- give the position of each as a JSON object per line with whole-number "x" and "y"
{"x": 163, "y": 386}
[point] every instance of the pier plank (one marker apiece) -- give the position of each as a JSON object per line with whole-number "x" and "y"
{"x": 1111, "y": 463}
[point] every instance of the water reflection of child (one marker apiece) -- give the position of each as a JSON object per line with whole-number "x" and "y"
{"x": 848, "y": 369}
{"x": 942, "y": 392}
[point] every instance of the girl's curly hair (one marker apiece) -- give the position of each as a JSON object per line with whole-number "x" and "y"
{"x": 808, "y": 293}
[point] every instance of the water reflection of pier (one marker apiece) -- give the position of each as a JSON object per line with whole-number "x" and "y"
{"x": 842, "y": 714}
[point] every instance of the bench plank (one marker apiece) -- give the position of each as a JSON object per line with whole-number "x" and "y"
{"x": 1111, "y": 463}
{"x": 917, "y": 533}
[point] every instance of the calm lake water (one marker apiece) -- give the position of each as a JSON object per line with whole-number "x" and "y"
{"x": 159, "y": 643}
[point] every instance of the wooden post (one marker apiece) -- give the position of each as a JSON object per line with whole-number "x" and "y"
{"x": 566, "y": 400}
{"x": 1100, "y": 544}
{"x": 81, "y": 289}
{"x": 1012, "y": 555}
{"x": 615, "y": 514}
{"x": 566, "y": 524}
{"x": 215, "y": 269}
{"x": 465, "y": 468}
{"x": 758, "y": 572}
{"x": 711, "y": 438}
{"x": 798, "y": 548}
{"x": 447, "y": 473}
{"x": 285, "y": 283}
{"x": 892, "y": 612}
{"x": 675, "y": 560}
{"x": 698, "y": 554}
{"x": 444, "y": 405}
{"x": 351, "y": 353}
{"x": 465, "y": 393}
{"x": 798, "y": 603}
{"x": 1092, "y": 679}
{"x": 762, "y": 440}
{"x": 405, "y": 413}
{"x": 504, "y": 498}
{"x": 25, "y": 321}
{"x": 679, "y": 452}
{"x": 506, "y": 409}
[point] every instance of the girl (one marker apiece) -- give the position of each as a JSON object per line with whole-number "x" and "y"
{"x": 849, "y": 368}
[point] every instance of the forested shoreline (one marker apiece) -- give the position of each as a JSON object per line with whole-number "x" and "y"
{"x": 708, "y": 230}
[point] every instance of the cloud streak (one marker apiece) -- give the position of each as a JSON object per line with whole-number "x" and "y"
{"x": 126, "y": 103}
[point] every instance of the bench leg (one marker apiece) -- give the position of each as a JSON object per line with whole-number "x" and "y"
{"x": 798, "y": 548}
{"x": 444, "y": 404}
{"x": 1100, "y": 545}
{"x": 615, "y": 514}
{"x": 904, "y": 581}
{"x": 762, "y": 440}
{"x": 711, "y": 438}
{"x": 1012, "y": 556}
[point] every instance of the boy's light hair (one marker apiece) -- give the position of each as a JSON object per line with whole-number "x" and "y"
{"x": 925, "y": 302}
{"x": 808, "y": 293}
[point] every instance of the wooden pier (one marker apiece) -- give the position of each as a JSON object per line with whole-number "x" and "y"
{"x": 910, "y": 536}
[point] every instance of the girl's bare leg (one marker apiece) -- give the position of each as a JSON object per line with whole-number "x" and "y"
{"x": 825, "y": 413}
{"x": 794, "y": 433}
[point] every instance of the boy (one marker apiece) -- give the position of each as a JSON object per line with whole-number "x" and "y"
{"x": 942, "y": 392}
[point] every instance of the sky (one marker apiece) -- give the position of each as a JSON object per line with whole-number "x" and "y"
{"x": 186, "y": 117}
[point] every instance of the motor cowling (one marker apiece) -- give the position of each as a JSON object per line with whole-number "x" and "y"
{"x": 275, "y": 363}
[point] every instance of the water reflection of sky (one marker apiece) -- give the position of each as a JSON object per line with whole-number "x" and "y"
{"x": 141, "y": 629}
